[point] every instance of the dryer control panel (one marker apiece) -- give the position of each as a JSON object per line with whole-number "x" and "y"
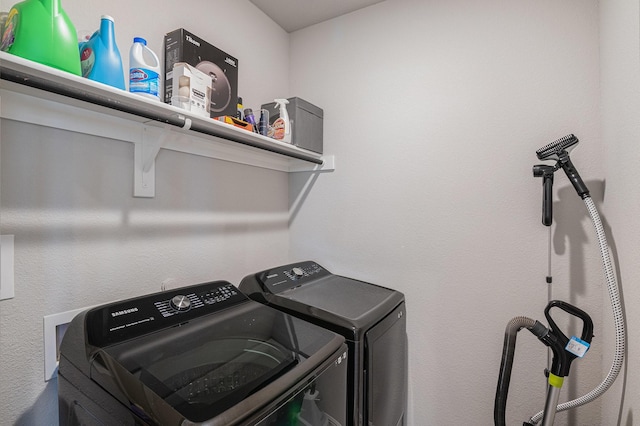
{"x": 286, "y": 277}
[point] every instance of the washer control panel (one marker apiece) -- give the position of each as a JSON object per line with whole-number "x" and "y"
{"x": 123, "y": 320}
{"x": 286, "y": 277}
{"x": 212, "y": 297}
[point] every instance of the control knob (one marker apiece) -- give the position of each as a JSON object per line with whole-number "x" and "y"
{"x": 298, "y": 272}
{"x": 180, "y": 303}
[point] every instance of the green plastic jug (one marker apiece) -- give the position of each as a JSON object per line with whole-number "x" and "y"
{"x": 41, "y": 31}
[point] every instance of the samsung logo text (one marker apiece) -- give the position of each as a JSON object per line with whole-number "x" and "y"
{"x": 124, "y": 312}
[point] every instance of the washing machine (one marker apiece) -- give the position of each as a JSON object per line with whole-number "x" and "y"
{"x": 372, "y": 319}
{"x": 200, "y": 355}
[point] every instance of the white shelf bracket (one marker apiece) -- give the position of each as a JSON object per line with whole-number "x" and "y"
{"x": 145, "y": 153}
{"x": 328, "y": 165}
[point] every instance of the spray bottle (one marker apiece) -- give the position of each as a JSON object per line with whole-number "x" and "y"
{"x": 282, "y": 125}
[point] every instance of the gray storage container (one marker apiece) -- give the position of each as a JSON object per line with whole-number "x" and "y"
{"x": 306, "y": 122}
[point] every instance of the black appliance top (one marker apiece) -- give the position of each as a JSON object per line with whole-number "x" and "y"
{"x": 309, "y": 289}
{"x": 194, "y": 353}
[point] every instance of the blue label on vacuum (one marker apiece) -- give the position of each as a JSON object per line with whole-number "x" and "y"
{"x": 143, "y": 81}
{"x": 577, "y": 346}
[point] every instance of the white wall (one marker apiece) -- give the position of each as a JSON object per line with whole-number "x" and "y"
{"x": 620, "y": 47}
{"x": 434, "y": 110}
{"x": 82, "y": 239}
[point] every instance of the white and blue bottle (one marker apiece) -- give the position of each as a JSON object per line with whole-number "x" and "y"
{"x": 144, "y": 70}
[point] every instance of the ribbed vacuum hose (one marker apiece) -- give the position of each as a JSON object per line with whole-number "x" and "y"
{"x": 618, "y": 317}
{"x": 508, "y": 351}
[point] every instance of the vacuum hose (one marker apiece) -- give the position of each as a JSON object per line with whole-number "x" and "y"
{"x": 559, "y": 151}
{"x": 618, "y": 317}
{"x": 506, "y": 364}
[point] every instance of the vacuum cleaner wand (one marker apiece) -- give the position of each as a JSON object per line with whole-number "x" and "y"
{"x": 559, "y": 151}
{"x": 546, "y": 173}
{"x": 553, "y": 337}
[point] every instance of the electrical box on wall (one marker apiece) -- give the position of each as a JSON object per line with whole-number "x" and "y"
{"x": 54, "y": 327}
{"x": 6, "y": 267}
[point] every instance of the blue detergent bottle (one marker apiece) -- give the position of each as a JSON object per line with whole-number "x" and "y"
{"x": 100, "y": 58}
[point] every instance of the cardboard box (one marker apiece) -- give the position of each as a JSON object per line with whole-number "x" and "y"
{"x": 191, "y": 89}
{"x": 183, "y": 46}
{"x": 306, "y": 122}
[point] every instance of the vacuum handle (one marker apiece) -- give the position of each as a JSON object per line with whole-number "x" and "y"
{"x": 587, "y": 323}
{"x": 557, "y": 341}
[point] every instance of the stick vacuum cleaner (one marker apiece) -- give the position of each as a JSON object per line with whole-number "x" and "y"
{"x": 564, "y": 350}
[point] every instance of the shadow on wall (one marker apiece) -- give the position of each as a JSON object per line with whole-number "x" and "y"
{"x": 569, "y": 213}
{"x": 43, "y": 408}
{"x": 64, "y": 225}
{"x": 299, "y": 190}
{"x": 570, "y": 232}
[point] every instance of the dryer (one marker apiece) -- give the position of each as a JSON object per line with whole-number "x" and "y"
{"x": 199, "y": 355}
{"x": 372, "y": 319}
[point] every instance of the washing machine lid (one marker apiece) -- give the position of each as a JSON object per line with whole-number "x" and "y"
{"x": 310, "y": 289}
{"x": 345, "y": 297}
{"x": 210, "y": 366}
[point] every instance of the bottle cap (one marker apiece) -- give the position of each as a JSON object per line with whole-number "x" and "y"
{"x": 140, "y": 40}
